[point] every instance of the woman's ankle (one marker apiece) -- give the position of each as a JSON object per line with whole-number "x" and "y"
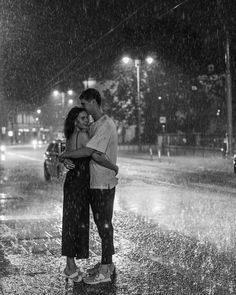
{"x": 70, "y": 265}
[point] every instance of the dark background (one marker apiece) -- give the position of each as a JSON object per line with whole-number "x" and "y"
{"x": 48, "y": 43}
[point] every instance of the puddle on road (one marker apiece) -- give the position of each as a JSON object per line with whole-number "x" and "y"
{"x": 4, "y": 197}
{"x": 8, "y": 201}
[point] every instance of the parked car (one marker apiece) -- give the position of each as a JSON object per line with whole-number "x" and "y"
{"x": 53, "y": 168}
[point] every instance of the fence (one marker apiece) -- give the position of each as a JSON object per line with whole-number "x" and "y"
{"x": 172, "y": 150}
{"x": 180, "y": 145}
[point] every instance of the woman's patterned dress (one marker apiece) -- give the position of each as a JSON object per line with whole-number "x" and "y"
{"x": 75, "y": 222}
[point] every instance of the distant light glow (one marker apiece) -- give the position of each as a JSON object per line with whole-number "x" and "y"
{"x": 3, "y": 157}
{"x": 70, "y": 101}
{"x": 34, "y": 143}
{"x": 91, "y": 82}
{"x": 159, "y": 97}
{"x": 56, "y": 93}
{"x": 70, "y": 92}
{"x": 3, "y": 148}
{"x": 126, "y": 59}
{"x": 38, "y": 111}
{"x": 149, "y": 60}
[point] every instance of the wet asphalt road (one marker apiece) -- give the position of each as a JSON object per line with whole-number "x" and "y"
{"x": 174, "y": 227}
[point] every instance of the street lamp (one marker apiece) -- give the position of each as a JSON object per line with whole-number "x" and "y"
{"x": 62, "y": 95}
{"x": 149, "y": 60}
{"x": 137, "y": 63}
{"x": 70, "y": 92}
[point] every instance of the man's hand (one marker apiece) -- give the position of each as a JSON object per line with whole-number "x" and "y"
{"x": 68, "y": 164}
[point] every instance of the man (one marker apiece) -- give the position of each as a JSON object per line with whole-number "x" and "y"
{"x": 103, "y": 139}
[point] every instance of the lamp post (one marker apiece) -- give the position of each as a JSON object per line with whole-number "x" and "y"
{"x": 229, "y": 96}
{"x": 63, "y": 96}
{"x": 137, "y": 63}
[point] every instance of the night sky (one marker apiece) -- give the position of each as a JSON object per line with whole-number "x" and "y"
{"x": 45, "y": 43}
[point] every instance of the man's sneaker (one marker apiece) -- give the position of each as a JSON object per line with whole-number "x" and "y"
{"x": 92, "y": 271}
{"x": 101, "y": 276}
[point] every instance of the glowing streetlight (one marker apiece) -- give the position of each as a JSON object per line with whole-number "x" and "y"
{"x": 149, "y": 60}
{"x": 56, "y": 93}
{"x": 70, "y": 92}
{"x": 62, "y": 95}
{"x": 126, "y": 59}
{"x": 38, "y": 111}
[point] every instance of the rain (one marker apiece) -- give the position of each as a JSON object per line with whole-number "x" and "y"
{"x": 166, "y": 72}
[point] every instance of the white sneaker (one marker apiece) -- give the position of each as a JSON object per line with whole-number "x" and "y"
{"x": 101, "y": 276}
{"x": 95, "y": 269}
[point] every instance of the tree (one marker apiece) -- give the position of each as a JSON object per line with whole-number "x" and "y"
{"x": 212, "y": 85}
{"x": 120, "y": 98}
{"x": 190, "y": 104}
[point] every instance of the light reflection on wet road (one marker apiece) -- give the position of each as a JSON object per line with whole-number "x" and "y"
{"x": 150, "y": 189}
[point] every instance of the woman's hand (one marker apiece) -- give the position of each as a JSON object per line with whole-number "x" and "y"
{"x": 116, "y": 170}
{"x": 69, "y": 164}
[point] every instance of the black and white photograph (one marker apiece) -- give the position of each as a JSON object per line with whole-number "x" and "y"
{"x": 117, "y": 147}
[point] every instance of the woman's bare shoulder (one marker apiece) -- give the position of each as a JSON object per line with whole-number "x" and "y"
{"x": 83, "y": 138}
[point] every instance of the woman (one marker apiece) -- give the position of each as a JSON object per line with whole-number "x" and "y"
{"x": 75, "y": 223}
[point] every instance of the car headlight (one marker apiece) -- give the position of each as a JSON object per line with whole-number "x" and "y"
{"x": 3, "y": 148}
{"x": 34, "y": 142}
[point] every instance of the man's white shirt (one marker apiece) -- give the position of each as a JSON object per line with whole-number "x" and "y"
{"x": 103, "y": 138}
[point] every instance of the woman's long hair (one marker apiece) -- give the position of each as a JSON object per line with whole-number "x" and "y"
{"x": 69, "y": 124}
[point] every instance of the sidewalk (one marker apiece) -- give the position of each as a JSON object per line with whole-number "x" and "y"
{"x": 149, "y": 261}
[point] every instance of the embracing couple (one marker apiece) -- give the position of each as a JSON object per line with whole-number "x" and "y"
{"x": 90, "y": 156}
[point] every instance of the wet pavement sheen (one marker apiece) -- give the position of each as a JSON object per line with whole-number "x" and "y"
{"x": 150, "y": 258}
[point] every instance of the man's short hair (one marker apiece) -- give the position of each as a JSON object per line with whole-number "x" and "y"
{"x": 90, "y": 94}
